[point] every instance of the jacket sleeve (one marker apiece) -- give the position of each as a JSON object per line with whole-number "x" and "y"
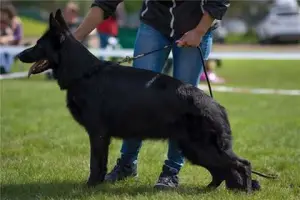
{"x": 108, "y": 6}
{"x": 215, "y": 8}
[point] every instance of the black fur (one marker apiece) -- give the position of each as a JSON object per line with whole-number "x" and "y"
{"x": 110, "y": 100}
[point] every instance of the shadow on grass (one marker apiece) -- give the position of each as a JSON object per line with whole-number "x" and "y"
{"x": 72, "y": 190}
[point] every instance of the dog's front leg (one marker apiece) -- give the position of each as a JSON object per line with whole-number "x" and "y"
{"x": 99, "y": 143}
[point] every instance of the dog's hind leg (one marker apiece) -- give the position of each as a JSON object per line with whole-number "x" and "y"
{"x": 223, "y": 166}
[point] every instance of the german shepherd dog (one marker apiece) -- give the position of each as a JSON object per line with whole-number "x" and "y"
{"x": 111, "y": 100}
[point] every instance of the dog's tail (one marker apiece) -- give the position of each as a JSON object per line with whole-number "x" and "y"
{"x": 264, "y": 175}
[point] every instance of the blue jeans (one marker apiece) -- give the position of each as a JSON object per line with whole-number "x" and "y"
{"x": 187, "y": 68}
{"x": 6, "y": 61}
{"x": 103, "y": 41}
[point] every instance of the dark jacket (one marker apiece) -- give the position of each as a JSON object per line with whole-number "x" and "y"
{"x": 172, "y": 18}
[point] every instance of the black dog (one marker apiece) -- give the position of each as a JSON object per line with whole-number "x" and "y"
{"x": 110, "y": 100}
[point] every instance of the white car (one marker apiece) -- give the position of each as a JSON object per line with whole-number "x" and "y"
{"x": 281, "y": 24}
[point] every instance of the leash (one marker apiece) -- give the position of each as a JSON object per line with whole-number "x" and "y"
{"x": 205, "y": 72}
{"x": 130, "y": 59}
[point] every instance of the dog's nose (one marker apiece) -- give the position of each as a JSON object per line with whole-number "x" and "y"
{"x": 25, "y": 55}
{"x": 18, "y": 56}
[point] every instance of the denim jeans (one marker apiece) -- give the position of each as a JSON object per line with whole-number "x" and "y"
{"x": 6, "y": 62}
{"x": 103, "y": 40}
{"x": 187, "y": 68}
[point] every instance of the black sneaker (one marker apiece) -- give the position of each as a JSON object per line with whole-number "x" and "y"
{"x": 122, "y": 171}
{"x": 168, "y": 178}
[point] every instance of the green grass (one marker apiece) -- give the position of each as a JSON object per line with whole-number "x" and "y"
{"x": 33, "y": 28}
{"x": 266, "y": 74}
{"x": 45, "y": 154}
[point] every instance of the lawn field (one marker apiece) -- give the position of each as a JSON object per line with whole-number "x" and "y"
{"x": 45, "y": 154}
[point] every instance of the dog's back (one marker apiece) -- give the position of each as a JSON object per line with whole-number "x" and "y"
{"x": 140, "y": 103}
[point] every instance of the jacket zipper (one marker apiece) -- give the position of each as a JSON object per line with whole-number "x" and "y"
{"x": 172, "y": 18}
{"x": 146, "y": 9}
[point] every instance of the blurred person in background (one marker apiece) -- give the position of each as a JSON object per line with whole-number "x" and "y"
{"x": 11, "y": 34}
{"x": 210, "y": 66}
{"x": 71, "y": 15}
{"x": 109, "y": 27}
{"x": 190, "y": 25}
{"x": 73, "y": 20}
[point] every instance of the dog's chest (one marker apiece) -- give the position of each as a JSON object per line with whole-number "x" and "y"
{"x": 76, "y": 107}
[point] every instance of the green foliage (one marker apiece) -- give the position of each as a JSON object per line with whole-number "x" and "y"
{"x": 133, "y": 6}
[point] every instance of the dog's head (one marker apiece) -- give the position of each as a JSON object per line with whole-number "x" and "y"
{"x": 45, "y": 53}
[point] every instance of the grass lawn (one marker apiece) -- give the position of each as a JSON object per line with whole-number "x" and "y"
{"x": 45, "y": 154}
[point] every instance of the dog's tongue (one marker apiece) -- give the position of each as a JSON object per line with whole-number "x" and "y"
{"x": 38, "y": 67}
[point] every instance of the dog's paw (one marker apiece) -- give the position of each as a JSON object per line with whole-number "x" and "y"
{"x": 255, "y": 185}
{"x": 95, "y": 180}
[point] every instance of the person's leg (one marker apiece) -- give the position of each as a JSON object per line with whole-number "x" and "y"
{"x": 187, "y": 68}
{"x": 148, "y": 39}
{"x": 6, "y": 61}
{"x": 187, "y": 61}
{"x": 103, "y": 39}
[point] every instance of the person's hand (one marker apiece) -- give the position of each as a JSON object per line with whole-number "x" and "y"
{"x": 191, "y": 38}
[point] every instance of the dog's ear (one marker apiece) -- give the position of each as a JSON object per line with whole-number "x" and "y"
{"x": 55, "y": 26}
{"x": 60, "y": 19}
{"x": 50, "y": 21}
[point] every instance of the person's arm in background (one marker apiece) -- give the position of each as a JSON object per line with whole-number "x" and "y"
{"x": 212, "y": 10}
{"x": 17, "y": 31}
{"x": 8, "y": 38}
{"x": 100, "y": 10}
{"x": 121, "y": 14}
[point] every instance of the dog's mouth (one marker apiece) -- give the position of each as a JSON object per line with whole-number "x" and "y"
{"x": 39, "y": 67}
